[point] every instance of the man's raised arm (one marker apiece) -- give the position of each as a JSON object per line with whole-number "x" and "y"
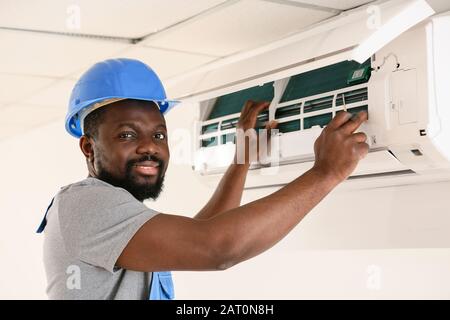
{"x": 169, "y": 242}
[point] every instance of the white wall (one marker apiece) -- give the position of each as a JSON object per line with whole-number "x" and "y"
{"x": 381, "y": 243}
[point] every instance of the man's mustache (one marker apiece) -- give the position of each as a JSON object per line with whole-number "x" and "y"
{"x": 146, "y": 158}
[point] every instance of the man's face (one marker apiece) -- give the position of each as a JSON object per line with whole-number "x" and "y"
{"x": 131, "y": 149}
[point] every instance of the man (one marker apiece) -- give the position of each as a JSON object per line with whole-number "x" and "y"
{"x": 102, "y": 242}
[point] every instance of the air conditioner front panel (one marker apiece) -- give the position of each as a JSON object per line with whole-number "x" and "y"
{"x": 376, "y": 163}
{"x": 298, "y": 145}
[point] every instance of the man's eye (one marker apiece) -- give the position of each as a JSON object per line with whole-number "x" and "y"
{"x": 127, "y": 135}
{"x": 160, "y": 136}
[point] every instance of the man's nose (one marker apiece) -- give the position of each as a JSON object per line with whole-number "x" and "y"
{"x": 147, "y": 145}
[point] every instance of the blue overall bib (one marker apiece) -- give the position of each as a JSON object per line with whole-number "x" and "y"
{"x": 161, "y": 286}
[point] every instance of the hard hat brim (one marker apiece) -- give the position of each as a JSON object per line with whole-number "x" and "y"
{"x": 73, "y": 121}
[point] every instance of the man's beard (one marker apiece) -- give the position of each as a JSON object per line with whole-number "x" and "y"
{"x": 140, "y": 191}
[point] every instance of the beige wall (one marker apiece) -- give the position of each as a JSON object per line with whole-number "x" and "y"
{"x": 381, "y": 243}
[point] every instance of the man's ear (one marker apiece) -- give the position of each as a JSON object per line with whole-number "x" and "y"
{"x": 87, "y": 147}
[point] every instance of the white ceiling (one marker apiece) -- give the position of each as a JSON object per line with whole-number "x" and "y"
{"x": 238, "y": 27}
{"x": 337, "y": 4}
{"x": 116, "y": 18}
{"x": 42, "y": 56}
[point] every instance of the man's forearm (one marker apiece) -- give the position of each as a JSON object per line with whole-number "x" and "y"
{"x": 228, "y": 193}
{"x": 255, "y": 227}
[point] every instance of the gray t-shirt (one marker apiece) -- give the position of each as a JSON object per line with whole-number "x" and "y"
{"x": 88, "y": 226}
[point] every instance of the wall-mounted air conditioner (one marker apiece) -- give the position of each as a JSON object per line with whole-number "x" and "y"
{"x": 405, "y": 87}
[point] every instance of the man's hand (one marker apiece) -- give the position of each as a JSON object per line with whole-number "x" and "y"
{"x": 338, "y": 149}
{"x": 246, "y": 125}
{"x": 249, "y": 114}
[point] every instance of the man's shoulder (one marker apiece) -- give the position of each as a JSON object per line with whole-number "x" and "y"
{"x": 92, "y": 190}
{"x": 87, "y": 182}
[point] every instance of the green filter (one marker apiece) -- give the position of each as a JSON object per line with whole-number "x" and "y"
{"x": 210, "y": 128}
{"x": 209, "y": 142}
{"x": 234, "y": 102}
{"x": 230, "y": 137}
{"x": 318, "y": 104}
{"x": 353, "y": 96}
{"x": 289, "y": 126}
{"x": 228, "y": 124}
{"x": 320, "y": 120}
{"x": 322, "y": 80}
{"x": 287, "y": 111}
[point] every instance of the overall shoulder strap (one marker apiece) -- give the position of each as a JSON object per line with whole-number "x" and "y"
{"x": 44, "y": 220}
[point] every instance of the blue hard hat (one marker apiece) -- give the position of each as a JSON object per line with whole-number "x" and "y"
{"x": 113, "y": 80}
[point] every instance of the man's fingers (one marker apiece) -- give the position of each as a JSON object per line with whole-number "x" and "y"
{"x": 253, "y": 106}
{"x": 354, "y": 123}
{"x": 271, "y": 124}
{"x": 260, "y": 106}
{"x": 359, "y": 137}
{"x": 247, "y": 106}
{"x": 340, "y": 118}
{"x": 362, "y": 150}
{"x": 252, "y": 109}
